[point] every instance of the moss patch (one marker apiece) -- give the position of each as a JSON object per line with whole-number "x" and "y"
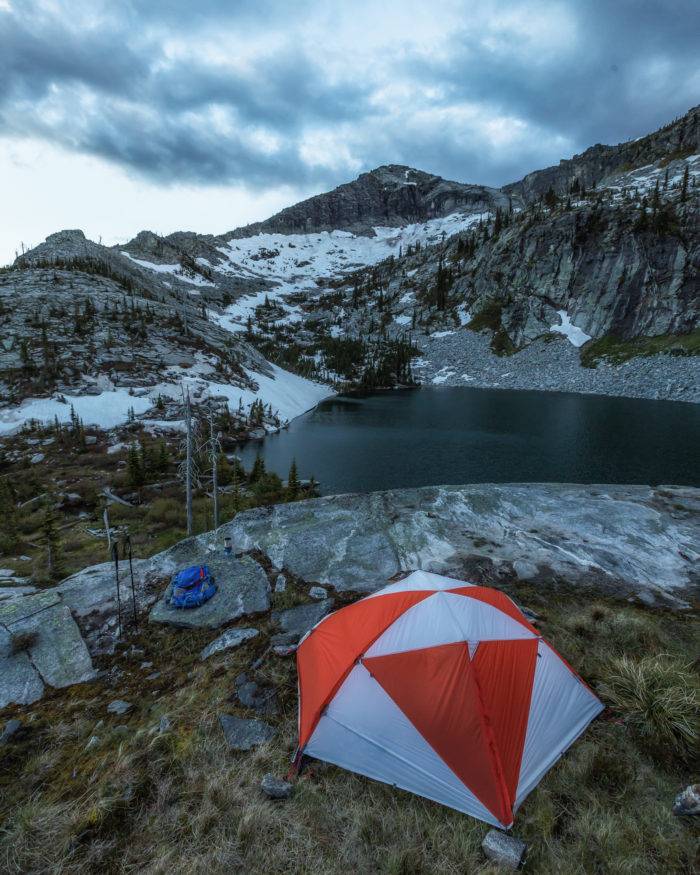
{"x": 615, "y": 350}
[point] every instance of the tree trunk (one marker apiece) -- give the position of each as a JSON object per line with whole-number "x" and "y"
{"x": 188, "y": 464}
{"x": 214, "y": 470}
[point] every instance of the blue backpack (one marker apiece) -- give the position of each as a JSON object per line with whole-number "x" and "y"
{"x": 191, "y": 587}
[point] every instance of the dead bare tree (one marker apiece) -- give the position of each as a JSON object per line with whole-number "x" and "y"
{"x": 188, "y": 469}
{"x": 214, "y": 448}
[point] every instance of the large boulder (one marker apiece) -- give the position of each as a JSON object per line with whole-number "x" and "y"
{"x": 40, "y": 644}
{"x": 242, "y": 590}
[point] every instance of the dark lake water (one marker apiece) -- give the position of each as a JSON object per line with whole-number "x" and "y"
{"x": 429, "y": 436}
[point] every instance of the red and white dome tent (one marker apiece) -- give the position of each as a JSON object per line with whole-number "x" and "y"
{"x": 441, "y": 688}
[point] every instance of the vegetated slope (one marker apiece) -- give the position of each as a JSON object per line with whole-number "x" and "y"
{"x": 79, "y": 318}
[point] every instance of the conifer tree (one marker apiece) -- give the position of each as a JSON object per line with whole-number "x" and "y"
{"x": 684, "y": 184}
{"x": 293, "y": 485}
{"x": 258, "y": 470}
{"x": 51, "y": 540}
{"x": 134, "y": 468}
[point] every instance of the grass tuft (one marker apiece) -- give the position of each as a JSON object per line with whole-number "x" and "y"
{"x": 658, "y": 697}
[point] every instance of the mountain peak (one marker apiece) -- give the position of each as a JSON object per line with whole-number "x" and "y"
{"x": 390, "y": 195}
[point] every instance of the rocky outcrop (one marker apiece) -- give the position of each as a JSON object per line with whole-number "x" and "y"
{"x": 621, "y": 539}
{"x": 680, "y": 137}
{"x": 390, "y": 195}
{"x": 631, "y": 541}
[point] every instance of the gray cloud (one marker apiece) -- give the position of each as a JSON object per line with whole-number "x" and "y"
{"x": 139, "y": 84}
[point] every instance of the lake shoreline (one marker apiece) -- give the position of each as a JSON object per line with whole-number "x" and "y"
{"x": 464, "y": 358}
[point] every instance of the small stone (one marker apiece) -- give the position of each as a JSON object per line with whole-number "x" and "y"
{"x": 284, "y": 649}
{"x": 93, "y": 742}
{"x": 687, "y": 802}
{"x": 244, "y": 734}
{"x": 318, "y": 593}
{"x": 11, "y": 728}
{"x": 90, "y": 440}
{"x": 164, "y": 725}
{"x": 146, "y": 664}
{"x": 503, "y": 849}
{"x": 119, "y": 706}
{"x": 153, "y": 676}
{"x": 36, "y": 458}
{"x": 231, "y": 638}
{"x": 252, "y": 695}
{"x": 276, "y": 788}
{"x": 296, "y": 622}
{"x": 281, "y": 583}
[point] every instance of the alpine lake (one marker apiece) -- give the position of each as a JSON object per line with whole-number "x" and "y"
{"x": 427, "y": 436}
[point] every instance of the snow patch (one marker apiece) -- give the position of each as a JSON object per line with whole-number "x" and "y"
{"x": 104, "y": 410}
{"x": 569, "y": 330}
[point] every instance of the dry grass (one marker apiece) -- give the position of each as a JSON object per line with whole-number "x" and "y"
{"x": 180, "y": 802}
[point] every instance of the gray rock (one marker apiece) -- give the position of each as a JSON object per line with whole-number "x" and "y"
{"x": 164, "y": 725}
{"x": 252, "y": 695}
{"x": 230, "y": 639}
{"x": 276, "y": 788}
{"x": 242, "y": 591}
{"x": 623, "y": 540}
{"x": 36, "y": 458}
{"x": 90, "y": 440}
{"x": 53, "y": 650}
{"x": 504, "y": 849}
{"x": 688, "y": 801}
{"x": 280, "y": 583}
{"x": 524, "y": 570}
{"x": 10, "y": 729}
{"x": 119, "y": 706}
{"x": 243, "y": 734}
{"x": 318, "y": 592}
{"x": 93, "y": 741}
{"x": 296, "y": 622}
{"x": 284, "y": 649}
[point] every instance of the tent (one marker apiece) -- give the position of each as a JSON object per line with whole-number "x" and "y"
{"x": 442, "y": 688}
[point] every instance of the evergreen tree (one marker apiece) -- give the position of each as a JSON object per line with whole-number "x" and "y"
{"x": 8, "y": 517}
{"x": 163, "y": 458}
{"x": 684, "y": 184}
{"x": 134, "y": 469}
{"x": 258, "y": 470}
{"x": 51, "y": 540}
{"x": 293, "y": 485}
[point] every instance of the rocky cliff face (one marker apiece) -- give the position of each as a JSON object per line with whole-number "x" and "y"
{"x": 678, "y": 139}
{"x": 616, "y": 266}
{"x": 391, "y": 195}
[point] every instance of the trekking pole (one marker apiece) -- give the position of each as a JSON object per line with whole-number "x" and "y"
{"x": 127, "y": 545}
{"x": 115, "y": 554}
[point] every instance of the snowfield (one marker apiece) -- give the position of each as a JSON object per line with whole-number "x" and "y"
{"x": 291, "y": 262}
{"x": 289, "y": 395}
{"x": 104, "y": 410}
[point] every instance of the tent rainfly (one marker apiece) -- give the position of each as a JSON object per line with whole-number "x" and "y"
{"x": 441, "y": 688}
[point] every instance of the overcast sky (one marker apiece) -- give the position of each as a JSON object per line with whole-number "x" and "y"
{"x": 207, "y": 114}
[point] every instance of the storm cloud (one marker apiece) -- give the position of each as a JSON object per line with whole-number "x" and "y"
{"x": 308, "y": 94}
